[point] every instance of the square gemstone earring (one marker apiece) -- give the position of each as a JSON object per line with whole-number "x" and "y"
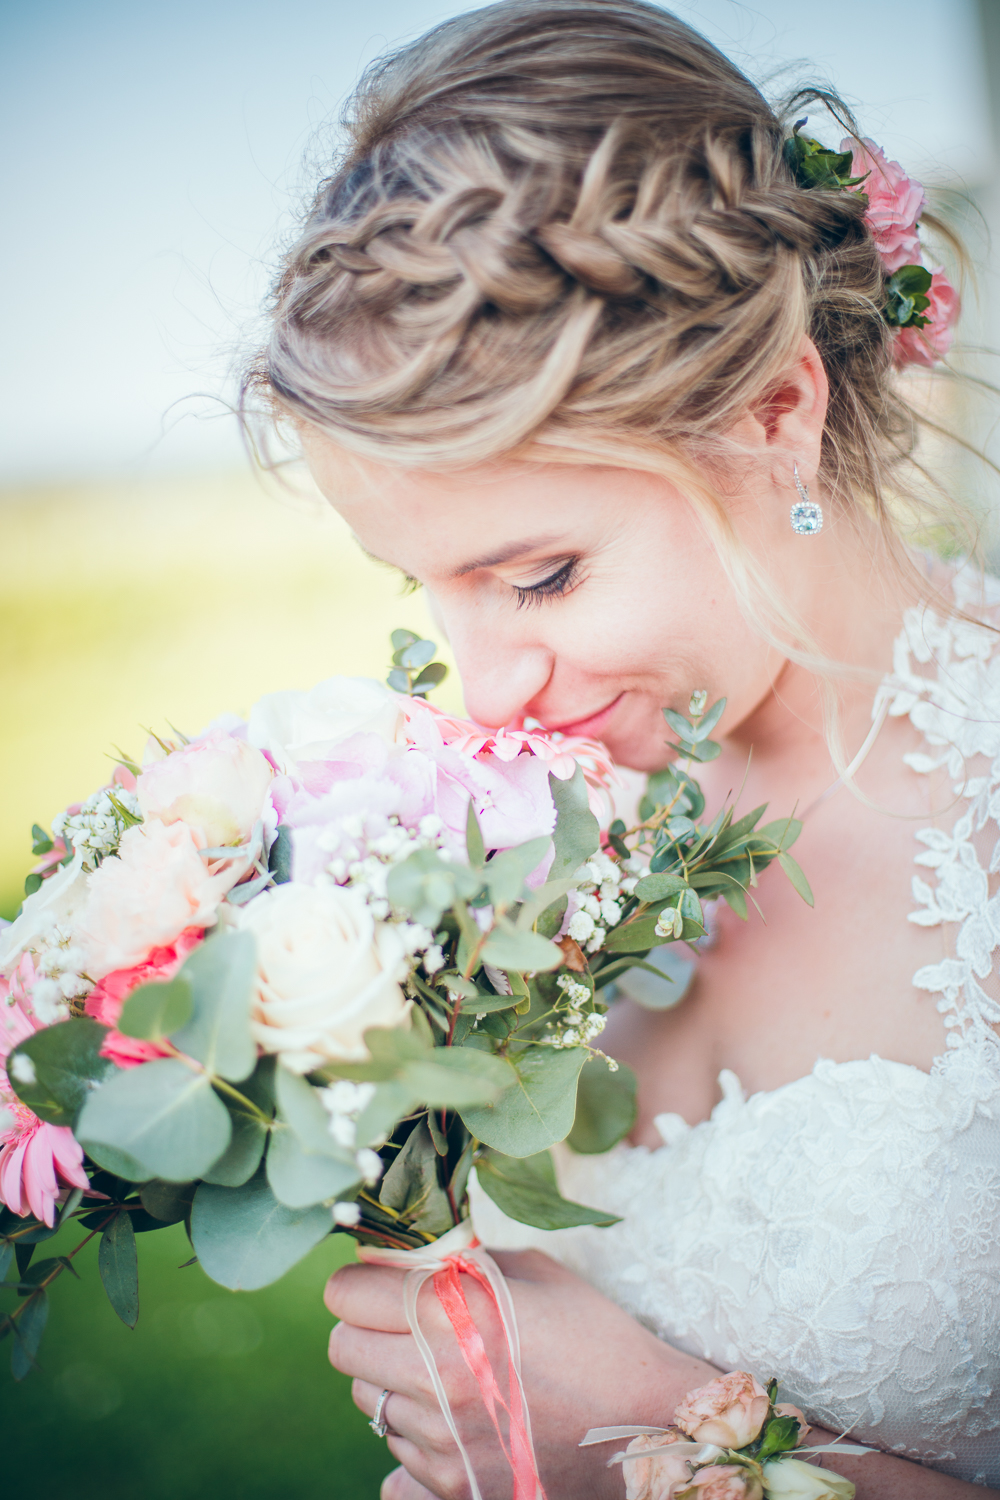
{"x": 805, "y": 515}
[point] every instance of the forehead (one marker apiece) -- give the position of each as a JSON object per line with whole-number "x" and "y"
{"x": 476, "y": 517}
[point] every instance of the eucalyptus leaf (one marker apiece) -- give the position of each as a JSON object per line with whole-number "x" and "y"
{"x": 474, "y": 845}
{"x": 6, "y": 1256}
{"x": 154, "y": 1011}
{"x": 300, "y": 1106}
{"x": 506, "y": 873}
{"x": 163, "y": 1116}
{"x": 637, "y": 936}
{"x": 526, "y": 1190}
{"x": 453, "y": 1077}
{"x": 67, "y": 1065}
{"x": 241, "y": 1158}
{"x": 170, "y": 1202}
{"x": 577, "y": 834}
{"x": 605, "y": 1107}
{"x": 221, "y": 975}
{"x": 429, "y": 678}
{"x": 118, "y": 1264}
{"x": 299, "y": 1178}
{"x": 245, "y": 1239}
{"x": 402, "y": 638}
{"x": 521, "y": 951}
{"x": 655, "y": 887}
{"x": 539, "y": 1106}
{"x": 279, "y": 860}
{"x": 411, "y": 1186}
{"x": 417, "y": 655}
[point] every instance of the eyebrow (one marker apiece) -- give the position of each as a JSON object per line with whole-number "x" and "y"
{"x": 511, "y": 553}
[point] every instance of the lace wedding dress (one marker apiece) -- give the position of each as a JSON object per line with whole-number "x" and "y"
{"x": 843, "y": 1231}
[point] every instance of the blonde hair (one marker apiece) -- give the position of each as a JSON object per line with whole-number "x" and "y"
{"x": 566, "y": 229}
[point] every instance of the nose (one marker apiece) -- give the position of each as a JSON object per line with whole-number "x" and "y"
{"x": 503, "y": 668}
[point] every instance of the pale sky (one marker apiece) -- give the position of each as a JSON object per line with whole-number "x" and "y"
{"x": 153, "y": 155}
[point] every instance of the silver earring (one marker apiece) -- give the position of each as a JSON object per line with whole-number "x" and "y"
{"x": 805, "y": 515}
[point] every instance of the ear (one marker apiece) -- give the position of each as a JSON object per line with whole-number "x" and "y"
{"x": 790, "y": 421}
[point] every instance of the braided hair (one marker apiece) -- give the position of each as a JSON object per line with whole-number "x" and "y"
{"x": 571, "y": 222}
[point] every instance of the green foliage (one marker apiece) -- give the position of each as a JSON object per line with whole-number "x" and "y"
{"x": 41, "y": 842}
{"x": 163, "y": 1116}
{"x": 220, "y": 973}
{"x": 153, "y": 1011}
{"x": 780, "y": 1435}
{"x": 27, "y": 1333}
{"x": 538, "y": 1107}
{"x": 249, "y": 1126}
{"x": 244, "y": 1238}
{"x": 605, "y": 1107}
{"x": 521, "y": 952}
{"x": 413, "y": 1188}
{"x": 305, "y": 1165}
{"x": 814, "y": 166}
{"x": 67, "y": 1065}
{"x": 906, "y": 297}
{"x": 119, "y": 1267}
{"x": 441, "y": 1077}
{"x": 279, "y": 860}
{"x": 526, "y": 1190}
{"x": 413, "y": 671}
{"x": 170, "y": 1202}
{"x": 577, "y": 835}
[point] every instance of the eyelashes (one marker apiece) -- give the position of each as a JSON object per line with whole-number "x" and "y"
{"x": 409, "y": 585}
{"x": 562, "y": 581}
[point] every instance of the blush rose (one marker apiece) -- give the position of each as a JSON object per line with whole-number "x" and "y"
{"x": 217, "y": 786}
{"x": 729, "y": 1411}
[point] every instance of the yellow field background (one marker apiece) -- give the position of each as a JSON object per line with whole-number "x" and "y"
{"x": 129, "y": 606}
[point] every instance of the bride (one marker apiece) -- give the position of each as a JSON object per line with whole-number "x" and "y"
{"x": 568, "y": 342}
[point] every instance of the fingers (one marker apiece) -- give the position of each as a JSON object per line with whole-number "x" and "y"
{"x": 371, "y": 1296}
{"x": 399, "y": 1486}
{"x": 405, "y": 1418}
{"x": 389, "y": 1361}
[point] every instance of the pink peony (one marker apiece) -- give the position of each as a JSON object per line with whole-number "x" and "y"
{"x": 105, "y": 1001}
{"x": 662, "y": 1476}
{"x": 37, "y": 1160}
{"x": 729, "y": 1410}
{"x": 724, "y": 1482}
{"x": 217, "y": 786}
{"x": 925, "y": 346}
{"x": 146, "y": 895}
{"x": 895, "y": 203}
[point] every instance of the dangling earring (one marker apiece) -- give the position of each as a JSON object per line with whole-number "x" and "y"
{"x": 806, "y": 516}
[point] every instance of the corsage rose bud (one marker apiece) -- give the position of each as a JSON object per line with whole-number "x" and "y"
{"x": 659, "y": 1477}
{"x": 326, "y": 972}
{"x": 216, "y": 786}
{"x": 785, "y": 1409}
{"x": 791, "y": 1479}
{"x": 724, "y": 1482}
{"x": 729, "y": 1411}
{"x": 925, "y": 346}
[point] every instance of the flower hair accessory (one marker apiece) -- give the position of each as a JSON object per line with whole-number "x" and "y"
{"x": 921, "y": 305}
{"x": 729, "y": 1441}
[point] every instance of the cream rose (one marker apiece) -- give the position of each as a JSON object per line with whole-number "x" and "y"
{"x": 147, "y": 894}
{"x": 729, "y": 1411}
{"x": 217, "y": 786}
{"x": 326, "y": 971}
{"x": 792, "y": 1479}
{"x": 294, "y": 727}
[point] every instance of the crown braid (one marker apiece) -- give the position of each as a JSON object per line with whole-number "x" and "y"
{"x": 554, "y": 215}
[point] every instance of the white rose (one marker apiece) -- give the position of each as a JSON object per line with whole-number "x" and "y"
{"x": 294, "y": 726}
{"x": 792, "y": 1479}
{"x": 326, "y": 971}
{"x": 217, "y": 786}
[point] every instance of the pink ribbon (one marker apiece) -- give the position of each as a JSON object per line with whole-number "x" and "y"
{"x": 456, "y": 1254}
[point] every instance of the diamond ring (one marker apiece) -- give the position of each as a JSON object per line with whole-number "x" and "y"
{"x": 377, "y": 1425}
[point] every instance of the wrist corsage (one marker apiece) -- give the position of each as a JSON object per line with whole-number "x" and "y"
{"x": 730, "y": 1440}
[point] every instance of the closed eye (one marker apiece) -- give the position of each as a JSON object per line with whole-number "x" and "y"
{"x": 562, "y": 581}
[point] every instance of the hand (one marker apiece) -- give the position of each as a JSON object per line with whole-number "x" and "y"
{"x": 585, "y": 1364}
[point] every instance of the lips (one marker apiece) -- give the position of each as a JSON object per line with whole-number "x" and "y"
{"x": 593, "y": 725}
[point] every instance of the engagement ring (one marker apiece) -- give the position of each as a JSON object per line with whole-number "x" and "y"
{"x": 377, "y": 1425}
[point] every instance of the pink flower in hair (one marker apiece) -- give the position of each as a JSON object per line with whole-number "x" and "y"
{"x": 895, "y": 203}
{"x": 925, "y": 346}
{"x": 37, "y": 1160}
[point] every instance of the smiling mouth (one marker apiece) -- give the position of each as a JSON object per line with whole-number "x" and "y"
{"x": 592, "y": 726}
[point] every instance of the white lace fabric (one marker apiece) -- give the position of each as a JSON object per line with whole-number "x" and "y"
{"x": 843, "y": 1231}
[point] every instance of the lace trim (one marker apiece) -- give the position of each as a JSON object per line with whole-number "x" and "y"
{"x": 946, "y": 677}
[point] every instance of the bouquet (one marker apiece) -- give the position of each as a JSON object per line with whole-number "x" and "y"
{"x": 303, "y": 973}
{"x": 730, "y": 1440}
